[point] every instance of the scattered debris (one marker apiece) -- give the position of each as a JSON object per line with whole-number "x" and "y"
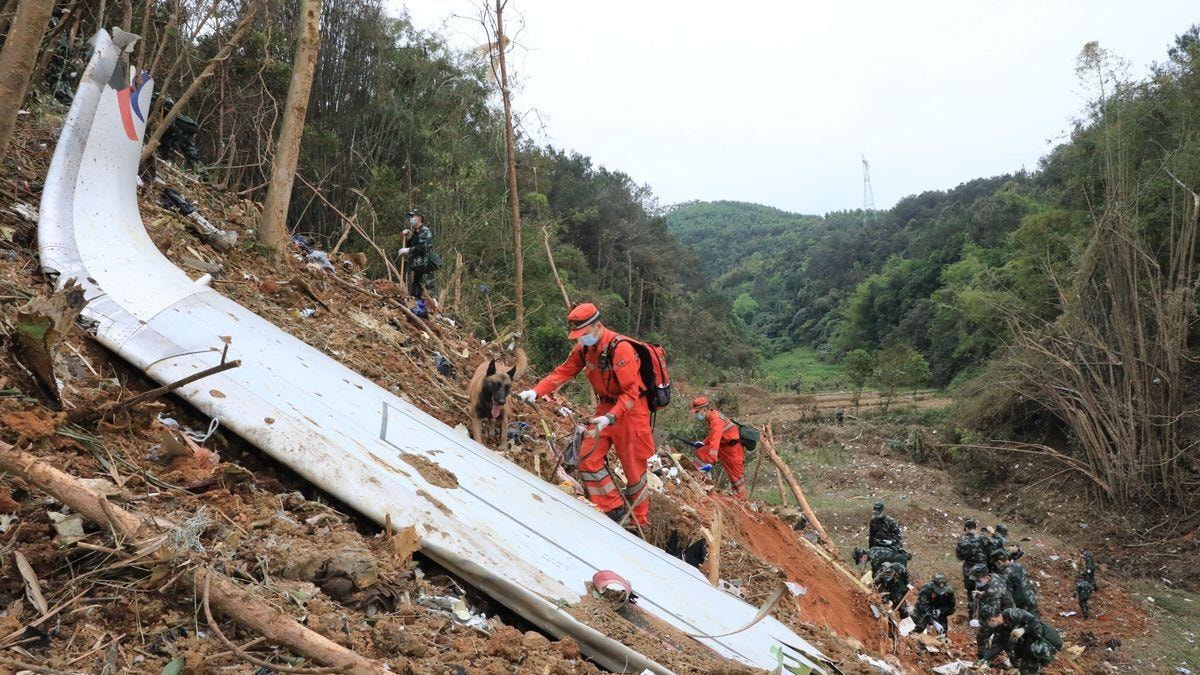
{"x": 954, "y": 668}
{"x": 41, "y": 326}
{"x": 221, "y": 240}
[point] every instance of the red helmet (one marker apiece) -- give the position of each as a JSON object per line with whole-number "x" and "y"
{"x": 700, "y": 402}
{"x": 581, "y": 319}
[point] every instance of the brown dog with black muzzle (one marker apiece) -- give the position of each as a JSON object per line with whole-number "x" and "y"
{"x": 489, "y": 390}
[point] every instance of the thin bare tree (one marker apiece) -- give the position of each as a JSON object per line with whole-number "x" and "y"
{"x": 272, "y": 227}
{"x": 239, "y": 32}
{"x": 514, "y": 198}
{"x": 17, "y": 61}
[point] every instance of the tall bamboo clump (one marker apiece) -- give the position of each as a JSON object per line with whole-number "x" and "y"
{"x": 1112, "y": 367}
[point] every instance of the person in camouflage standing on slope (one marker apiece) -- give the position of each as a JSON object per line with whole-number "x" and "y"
{"x": 423, "y": 259}
{"x": 1023, "y": 593}
{"x": 972, "y": 549}
{"x": 883, "y": 528}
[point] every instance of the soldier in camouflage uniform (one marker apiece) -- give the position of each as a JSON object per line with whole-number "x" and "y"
{"x": 1000, "y": 543}
{"x": 935, "y": 604}
{"x": 1030, "y": 642}
{"x": 1023, "y": 592}
{"x": 1089, "y": 570}
{"x": 972, "y": 549}
{"x": 878, "y": 555}
{"x": 892, "y": 583}
{"x": 423, "y": 259}
{"x": 1083, "y": 592}
{"x": 884, "y": 528}
{"x": 992, "y": 598}
{"x": 180, "y": 137}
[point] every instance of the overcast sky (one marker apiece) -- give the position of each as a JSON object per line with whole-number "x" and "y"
{"x": 774, "y": 101}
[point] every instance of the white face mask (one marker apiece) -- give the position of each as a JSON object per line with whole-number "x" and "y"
{"x": 700, "y": 416}
{"x": 589, "y": 340}
{"x": 412, "y": 221}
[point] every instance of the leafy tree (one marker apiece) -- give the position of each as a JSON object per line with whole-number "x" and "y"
{"x": 899, "y": 366}
{"x": 915, "y": 371}
{"x": 859, "y": 365}
{"x": 745, "y": 307}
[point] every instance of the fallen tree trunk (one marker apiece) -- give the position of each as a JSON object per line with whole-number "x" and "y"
{"x": 228, "y": 598}
{"x": 787, "y": 474}
{"x": 712, "y": 563}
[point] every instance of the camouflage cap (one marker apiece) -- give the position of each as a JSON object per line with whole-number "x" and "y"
{"x": 1011, "y": 615}
{"x": 1000, "y": 554}
{"x": 970, "y": 524}
{"x": 1001, "y": 529}
{"x": 878, "y": 506}
{"x": 979, "y": 571}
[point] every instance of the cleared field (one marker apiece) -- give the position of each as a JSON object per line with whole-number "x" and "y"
{"x": 756, "y": 403}
{"x": 803, "y": 368}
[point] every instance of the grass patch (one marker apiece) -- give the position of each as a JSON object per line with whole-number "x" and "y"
{"x": 1178, "y": 636}
{"x": 903, "y": 413}
{"x": 802, "y": 367}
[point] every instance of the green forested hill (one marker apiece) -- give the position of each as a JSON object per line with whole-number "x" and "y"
{"x": 947, "y": 272}
{"x": 726, "y": 232}
{"x": 794, "y": 278}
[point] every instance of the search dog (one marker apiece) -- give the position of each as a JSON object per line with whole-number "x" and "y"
{"x": 489, "y": 390}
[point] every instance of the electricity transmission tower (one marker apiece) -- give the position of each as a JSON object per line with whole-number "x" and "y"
{"x": 868, "y": 194}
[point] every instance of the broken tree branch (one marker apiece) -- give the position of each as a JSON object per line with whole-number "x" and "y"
{"x": 787, "y": 474}
{"x": 168, "y": 388}
{"x": 712, "y": 562}
{"x": 391, "y": 269}
{"x": 554, "y": 268}
{"x": 235, "y": 39}
{"x": 239, "y": 604}
{"x": 241, "y": 654}
{"x": 22, "y": 666}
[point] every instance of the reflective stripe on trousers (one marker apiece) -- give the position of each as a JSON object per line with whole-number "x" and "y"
{"x": 632, "y": 491}
{"x": 598, "y": 483}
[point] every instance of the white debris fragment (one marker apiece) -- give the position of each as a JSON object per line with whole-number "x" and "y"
{"x": 25, "y": 211}
{"x": 68, "y": 527}
{"x": 881, "y": 667}
{"x": 954, "y": 668}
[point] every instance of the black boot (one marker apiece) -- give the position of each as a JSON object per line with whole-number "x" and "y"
{"x": 617, "y": 514}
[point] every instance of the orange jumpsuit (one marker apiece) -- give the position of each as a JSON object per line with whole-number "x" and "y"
{"x": 724, "y": 443}
{"x": 618, "y": 388}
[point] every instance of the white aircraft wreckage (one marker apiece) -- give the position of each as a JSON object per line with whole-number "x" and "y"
{"x": 515, "y": 537}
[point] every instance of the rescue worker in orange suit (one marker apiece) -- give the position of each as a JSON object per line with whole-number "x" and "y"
{"x": 723, "y": 444}
{"x": 622, "y": 419}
